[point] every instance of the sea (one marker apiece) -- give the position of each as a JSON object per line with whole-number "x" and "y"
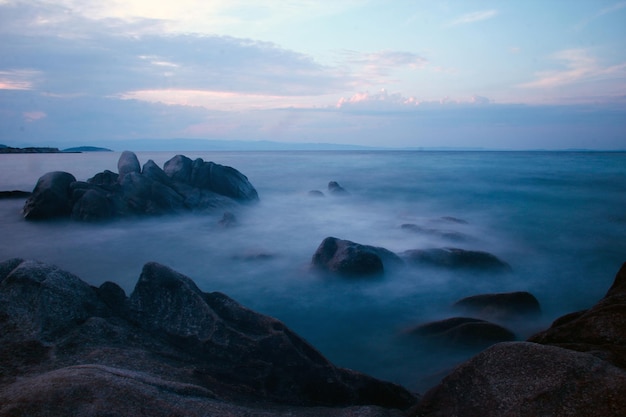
{"x": 558, "y": 218}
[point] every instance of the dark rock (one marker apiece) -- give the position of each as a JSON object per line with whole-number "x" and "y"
{"x": 600, "y": 330}
{"x": 335, "y": 189}
{"x": 457, "y": 258}
{"x": 446, "y": 234}
{"x": 128, "y": 163}
{"x": 184, "y": 185}
{"x": 501, "y": 306}
{"x": 463, "y": 332}
{"x": 528, "y": 379}
{"x": 352, "y": 259}
{"x": 14, "y": 194}
{"x": 315, "y": 193}
{"x": 451, "y": 219}
{"x": 169, "y": 349}
{"x": 228, "y": 220}
{"x": 50, "y": 198}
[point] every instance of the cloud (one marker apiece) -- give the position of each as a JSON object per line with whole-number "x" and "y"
{"x": 375, "y": 68}
{"x": 384, "y": 102}
{"x": 33, "y": 116}
{"x": 580, "y": 66}
{"x": 473, "y": 17}
{"x": 18, "y": 79}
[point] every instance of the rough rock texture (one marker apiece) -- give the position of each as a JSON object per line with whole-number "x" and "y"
{"x": 528, "y": 379}
{"x": 577, "y": 367}
{"x": 457, "y": 258}
{"x": 67, "y": 348}
{"x": 505, "y": 306}
{"x": 184, "y": 185}
{"x": 351, "y": 259}
{"x": 463, "y": 332}
{"x": 50, "y": 197}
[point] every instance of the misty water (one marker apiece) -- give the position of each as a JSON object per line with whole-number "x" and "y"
{"x": 558, "y": 218}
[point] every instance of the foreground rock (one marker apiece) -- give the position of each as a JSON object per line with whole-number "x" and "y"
{"x": 184, "y": 185}
{"x": 577, "y": 367}
{"x": 67, "y": 348}
{"x": 457, "y": 259}
{"x": 502, "y": 306}
{"x": 350, "y": 259}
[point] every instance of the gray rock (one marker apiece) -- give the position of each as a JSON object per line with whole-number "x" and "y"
{"x": 351, "y": 259}
{"x": 502, "y": 306}
{"x": 528, "y": 379}
{"x": 179, "y": 169}
{"x": 463, "y": 332}
{"x": 455, "y": 258}
{"x": 128, "y": 163}
{"x": 50, "y": 197}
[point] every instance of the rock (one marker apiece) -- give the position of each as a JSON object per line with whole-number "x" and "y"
{"x": 446, "y": 234}
{"x": 600, "y": 330}
{"x": 335, "y": 189}
{"x": 128, "y": 163}
{"x": 228, "y": 220}
{"x": 315, "y": 193}
{"x": 528, "y": 379}
{"x": 457, "y": 259}
{"x": 183, "y": 186}
{"x": 451, "y": 219}
{"x": 505, "y": 306}
{"x": 50, "y": 197}
{"x": 351, "y": 259}
{"x": 169, "y": 348}
{"x": 463, "y": 332}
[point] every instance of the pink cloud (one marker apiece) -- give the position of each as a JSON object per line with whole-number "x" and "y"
{"x": 33, "y": 116}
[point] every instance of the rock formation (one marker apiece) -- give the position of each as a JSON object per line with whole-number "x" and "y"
{"x": 182, "y": 186}
{"x": 456, "y": 258}
{"x": 503, "y": 306}
{"x": 67, "y": 348}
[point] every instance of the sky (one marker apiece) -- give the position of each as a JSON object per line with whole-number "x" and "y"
{"x": 535, "y": 74}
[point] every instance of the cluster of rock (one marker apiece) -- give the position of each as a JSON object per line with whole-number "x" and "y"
{"x": 67, "y": 348}
{"x": 351, "y": 259}
{"x": 182, "y": 185}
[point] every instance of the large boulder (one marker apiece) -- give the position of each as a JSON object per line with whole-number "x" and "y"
{"x": 351, "y": 259}
{"x": 51, "y": 197}
{"x": 456, "y": 258}
{"x": 503, "y": 306}
{"x": 128, "y": 163}
{"x": 529, "y": 379}
{"x": 65, "y": 345}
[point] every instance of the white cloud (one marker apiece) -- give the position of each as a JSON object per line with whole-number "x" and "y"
{"x": 19, "y": 79}
{"x": 33, "y": 116}
{"x": 473, "y": 17}
{"x": 383, "y": 101}
{"x": 580, "y": 66}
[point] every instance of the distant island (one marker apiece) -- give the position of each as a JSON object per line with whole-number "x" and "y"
{"x": 46, "y": 149}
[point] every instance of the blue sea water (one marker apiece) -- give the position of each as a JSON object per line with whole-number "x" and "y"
{"x": 559, "y": 219}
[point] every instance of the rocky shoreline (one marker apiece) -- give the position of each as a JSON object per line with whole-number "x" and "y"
{"x": 67, "y": 348}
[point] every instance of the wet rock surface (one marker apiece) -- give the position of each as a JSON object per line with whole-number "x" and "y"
{"x": 503, "y": 306}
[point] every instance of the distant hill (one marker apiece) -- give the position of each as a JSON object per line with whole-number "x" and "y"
{"x": 87, "y": 149}
{"x": 30, "y": 149}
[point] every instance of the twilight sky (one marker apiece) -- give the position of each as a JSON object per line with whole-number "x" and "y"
{"x": 501, "y": 74}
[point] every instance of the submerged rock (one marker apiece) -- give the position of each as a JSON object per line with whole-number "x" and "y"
{"x": 463, "y": 332}
{"x": 351, "y": 259}
{"x": 335, "y": 189}
{"x": 509, "y": 305}
{"x": 183, "y": 185}
{"x": 457, "y": 258}
{"x": 65, "y": 345}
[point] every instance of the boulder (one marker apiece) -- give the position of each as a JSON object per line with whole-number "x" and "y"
{"x": 463, "y": 332}
{"x": 92, "y": 205}
{"x": 600, "y": 330}
{"x": 351, "y": 259}
{"x": 503, "y": 306}
{"x": 315, "y": 193}
{"x": 128, "y": 163}
{"x": 528, "y": 379}
{"x": 335, "y": 189}
{"x": 179, "y": 168}
{"x": 50, "y": 197}
{"x": 455, "y": 258}
{"x": 65, "y": 345}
